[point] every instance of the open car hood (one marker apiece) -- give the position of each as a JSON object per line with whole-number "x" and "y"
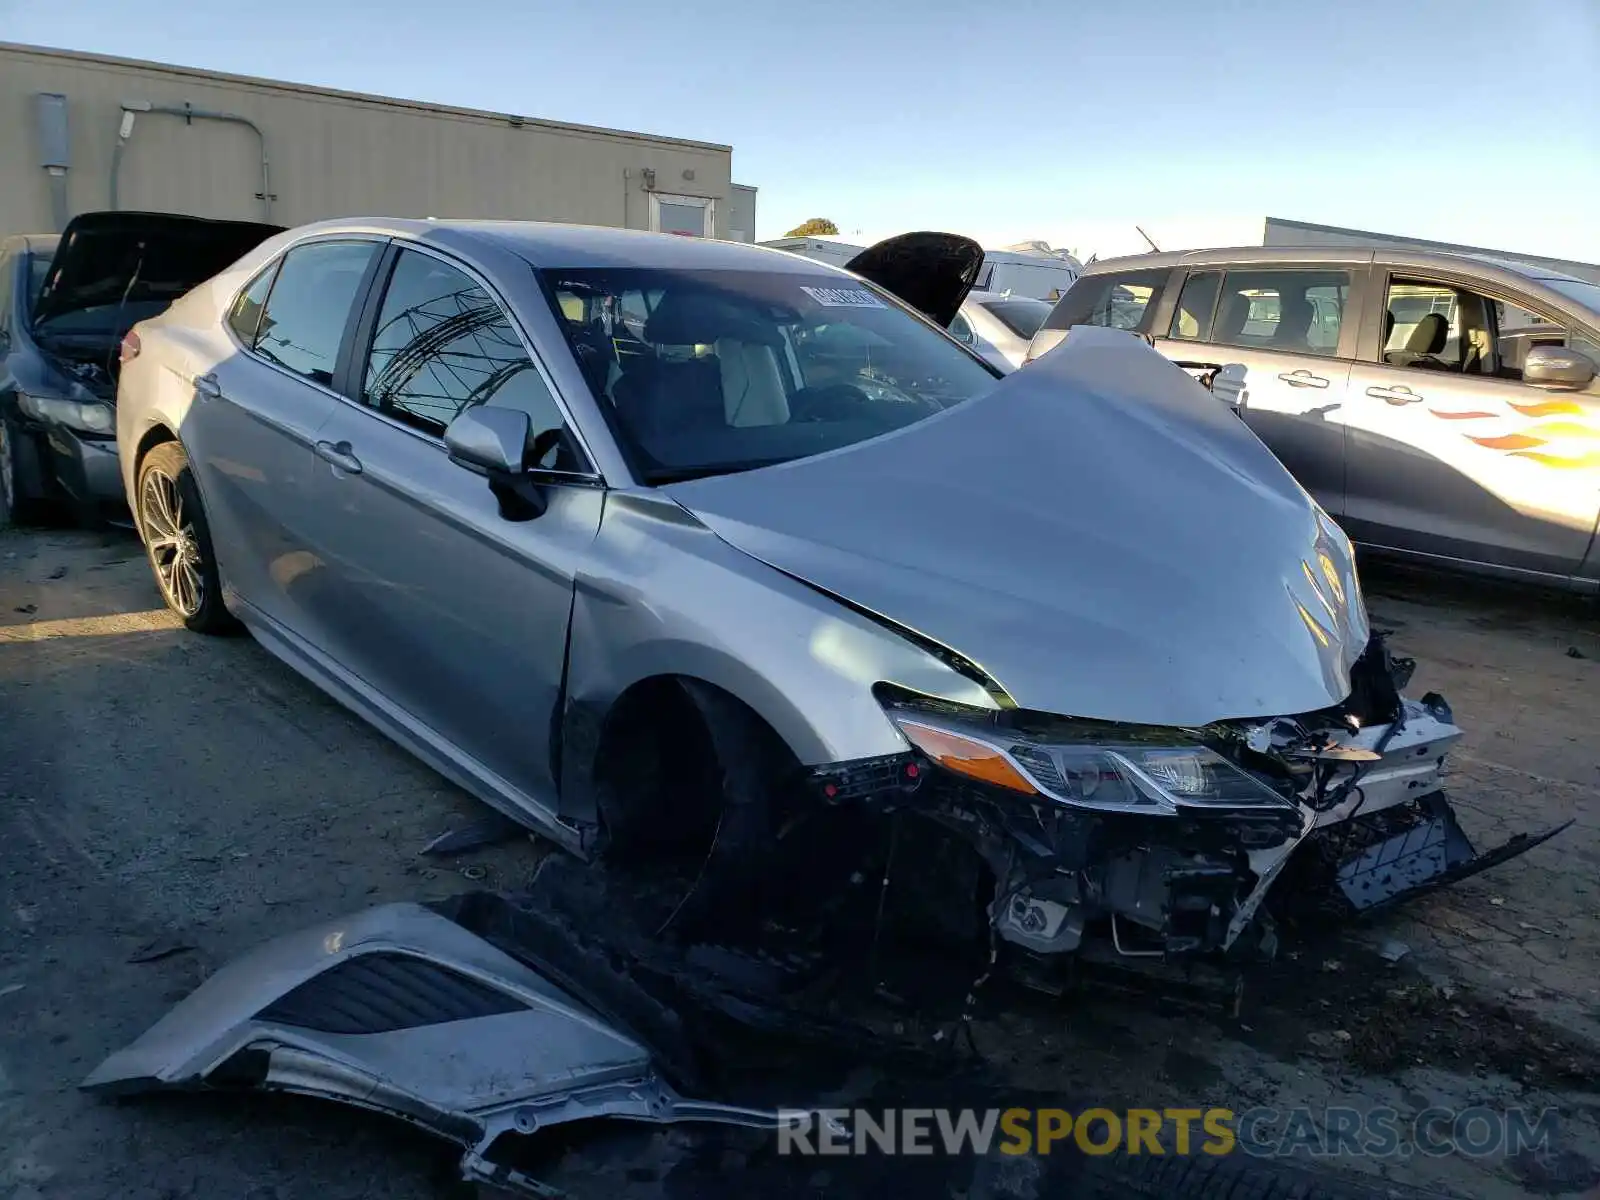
{"x": 112, "y": 257}
{"x": 932, "y": 272}
{"x": 1099, "y": 534}
{"x": 402, "y": 1010}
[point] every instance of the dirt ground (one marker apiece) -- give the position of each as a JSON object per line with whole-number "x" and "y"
{"x": 168, "y": 801}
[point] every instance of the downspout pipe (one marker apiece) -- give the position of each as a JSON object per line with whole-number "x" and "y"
{"x": 130, "y": 111}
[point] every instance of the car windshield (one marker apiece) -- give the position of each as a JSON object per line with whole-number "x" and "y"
{"x": 1021, "y": 316}
{"x": 1586, "y": 294}
{"x": 710, "y": 372}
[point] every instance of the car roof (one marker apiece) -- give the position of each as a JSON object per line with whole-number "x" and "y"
{"x": 1353, "y": 252}
{"x": 552, "y": 244}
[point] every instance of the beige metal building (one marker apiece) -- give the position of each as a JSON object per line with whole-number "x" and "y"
{"x": 80, "y": 132}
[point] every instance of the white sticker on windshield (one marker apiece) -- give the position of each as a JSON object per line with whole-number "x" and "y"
{"x": 843, "y": 297}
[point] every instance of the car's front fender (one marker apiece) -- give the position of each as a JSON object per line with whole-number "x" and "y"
{"x": 666, "y": 597}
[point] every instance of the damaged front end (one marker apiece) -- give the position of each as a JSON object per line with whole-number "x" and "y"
{"x": 1158, "y": 842}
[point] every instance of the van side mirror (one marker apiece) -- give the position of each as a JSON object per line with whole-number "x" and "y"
{"x": 1227, "y": 384}
{"x": 1557, "y": 368}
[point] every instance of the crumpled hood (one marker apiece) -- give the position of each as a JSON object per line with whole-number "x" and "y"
{"x": 1099, "y": 533}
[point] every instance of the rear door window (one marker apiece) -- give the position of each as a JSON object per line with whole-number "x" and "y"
{"x": 1300, "y": 311}
{"x": 309, "y": 306}
{"x": 1121, "y": 300}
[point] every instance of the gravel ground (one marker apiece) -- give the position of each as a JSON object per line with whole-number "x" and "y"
{"x": 167, "y": 801}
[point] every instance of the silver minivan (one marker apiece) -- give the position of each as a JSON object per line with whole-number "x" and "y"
{"x": 1439, "y": 406}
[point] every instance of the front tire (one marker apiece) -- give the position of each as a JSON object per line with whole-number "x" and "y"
{"x": 177, "y": 540}
{"x": 19, "y": 473}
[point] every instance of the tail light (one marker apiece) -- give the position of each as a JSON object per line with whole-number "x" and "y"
{"x": 130, "y": 347}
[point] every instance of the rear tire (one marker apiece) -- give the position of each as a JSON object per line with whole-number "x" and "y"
{"x": 177, "y": 540}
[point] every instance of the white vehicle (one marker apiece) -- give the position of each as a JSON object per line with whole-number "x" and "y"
{"x": 1028, "y": 269}
{"x": 999, "y": 326}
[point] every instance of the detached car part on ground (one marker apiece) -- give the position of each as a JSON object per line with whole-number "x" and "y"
{"x": 403, "y": 1011}
{"x": 65, "y": 303}
{"x": 749, "y": 530}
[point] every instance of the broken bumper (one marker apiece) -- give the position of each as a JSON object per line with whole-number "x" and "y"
{"x": 1354, "y": 825}
{"x": 402, "y": 1010}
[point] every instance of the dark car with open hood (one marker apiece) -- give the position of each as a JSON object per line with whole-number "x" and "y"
{"x": 66, "y": 302}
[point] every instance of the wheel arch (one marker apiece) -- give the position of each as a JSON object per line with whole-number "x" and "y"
{"x": 158, "y": 433}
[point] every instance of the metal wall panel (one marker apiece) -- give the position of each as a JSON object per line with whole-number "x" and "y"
{"x": 330, "y": 153}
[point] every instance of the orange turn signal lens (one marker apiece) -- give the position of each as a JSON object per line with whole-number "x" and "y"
{"x": 965, "y": 756}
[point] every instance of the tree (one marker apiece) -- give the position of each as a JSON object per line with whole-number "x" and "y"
{"x": 815, "y": 227}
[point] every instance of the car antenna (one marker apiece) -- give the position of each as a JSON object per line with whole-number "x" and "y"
{"x": 1148, "y": 238}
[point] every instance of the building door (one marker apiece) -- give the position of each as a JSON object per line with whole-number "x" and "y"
{"x": 690, "y": 216}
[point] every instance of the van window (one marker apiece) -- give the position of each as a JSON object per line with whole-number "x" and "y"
{"x": 1192, "y": 320}
{"x": 1121, "y": 300}
{"x": 1301, "y": 311}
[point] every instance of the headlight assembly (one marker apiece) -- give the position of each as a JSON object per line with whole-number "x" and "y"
{"x": 87, "y": 416}
{"x": 1097, "y": 771}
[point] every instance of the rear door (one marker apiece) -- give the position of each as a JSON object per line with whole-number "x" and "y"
{"x": 442, "y": 607}
{"x": 1294, "y": 330}
{"x": 1450, "y": 452}
{"x": 254, "y": 417}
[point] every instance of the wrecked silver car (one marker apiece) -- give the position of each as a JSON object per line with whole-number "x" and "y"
{"x": 664, "y": 546}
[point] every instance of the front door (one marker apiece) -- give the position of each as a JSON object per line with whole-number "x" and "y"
{"x": 450, "y": 612}
{"x": 1450, "y": 453}
{"x": 1293, "y": 331}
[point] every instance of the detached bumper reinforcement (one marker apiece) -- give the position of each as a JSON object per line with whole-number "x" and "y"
{"x": 1432, "y": 852}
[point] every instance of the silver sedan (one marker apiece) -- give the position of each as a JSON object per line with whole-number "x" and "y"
{"x": 657, "y": 542}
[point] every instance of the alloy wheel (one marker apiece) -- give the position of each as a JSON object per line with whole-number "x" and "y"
{"x": 169, "y": 538}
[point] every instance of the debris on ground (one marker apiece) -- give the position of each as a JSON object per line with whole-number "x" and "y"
{"x": 159, "y": 948}
{"x": 1393, "y": 950}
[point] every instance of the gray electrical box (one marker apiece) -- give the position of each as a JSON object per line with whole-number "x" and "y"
{"x": 55, "y": 147}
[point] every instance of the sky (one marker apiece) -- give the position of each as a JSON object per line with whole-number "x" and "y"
{"x": 1472, "y": 121}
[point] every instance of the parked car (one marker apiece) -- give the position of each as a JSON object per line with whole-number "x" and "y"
{"x": 999, "y": 326}
{"x": 1443, "y": 407}
{"x": 65, "y": 303}
{"x": 655, "y": 543}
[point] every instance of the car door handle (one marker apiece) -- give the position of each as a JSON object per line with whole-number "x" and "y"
{"x": 206, "y": 387}
{"x": 1395, "y": 395}
{"x": 338, "y": 453}
{"x": 1303, "y": 379}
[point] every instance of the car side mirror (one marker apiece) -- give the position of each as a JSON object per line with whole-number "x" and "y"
{"x": 494, "y": 442}
{"x": 491, "y": 441}
{"x": 1557, "y": 368}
